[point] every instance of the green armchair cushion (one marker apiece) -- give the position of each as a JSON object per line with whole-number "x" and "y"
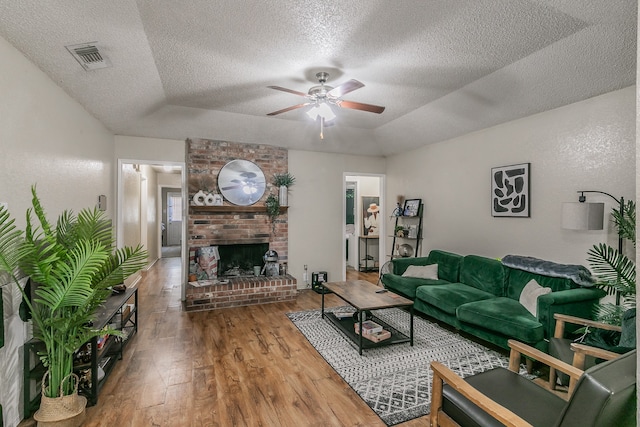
{"x": 485, "y": 274}
{"x": 504, "y": 316}
{"x": 450, "y": 296}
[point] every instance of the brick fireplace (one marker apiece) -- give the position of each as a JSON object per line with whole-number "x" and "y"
{"x": 235, "y": 225}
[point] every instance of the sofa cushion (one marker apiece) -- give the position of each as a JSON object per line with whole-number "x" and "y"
{"x": 482, "y": 273}
{"x": 448, "y": 265}
{"x": 518, "y": 279}
{"x": 422, "y": 271}
{"x": 502, "y": 315}
{"x": 400, "y": 264}
{"x": 450, "y": 296}
{"x": 406, "y": 286}
{"x": 529, "y": 296}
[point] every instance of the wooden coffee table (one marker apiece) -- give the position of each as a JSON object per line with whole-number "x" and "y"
{"x": 363, "y": 297}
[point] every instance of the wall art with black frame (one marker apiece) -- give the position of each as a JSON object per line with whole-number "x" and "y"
{"x": 510, "y": 191}
{"x": 412, "y": 207}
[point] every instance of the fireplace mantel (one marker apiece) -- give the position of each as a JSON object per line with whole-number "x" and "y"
{"x": 232, "y": 209}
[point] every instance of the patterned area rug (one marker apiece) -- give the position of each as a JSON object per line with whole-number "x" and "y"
{"x": 395, "y": 381}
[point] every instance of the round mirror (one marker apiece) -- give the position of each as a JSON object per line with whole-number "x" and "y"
{"x": 241, "y": 182}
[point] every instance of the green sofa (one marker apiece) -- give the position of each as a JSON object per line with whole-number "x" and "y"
{"x": 480, "y": 296}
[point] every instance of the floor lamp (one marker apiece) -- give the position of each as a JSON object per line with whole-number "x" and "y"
{"x": 589, "y": 216}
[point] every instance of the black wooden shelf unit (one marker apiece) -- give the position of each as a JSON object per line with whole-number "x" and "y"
{"x": 95, "y": 359}
{"x": 407, "y": 221}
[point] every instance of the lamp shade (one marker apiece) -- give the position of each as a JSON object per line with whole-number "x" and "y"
{"x": 583, "y": 216}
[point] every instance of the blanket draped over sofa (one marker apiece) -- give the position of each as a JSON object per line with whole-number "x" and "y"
{"x": 577, "y": 273}
{"x": 481, "y": 296}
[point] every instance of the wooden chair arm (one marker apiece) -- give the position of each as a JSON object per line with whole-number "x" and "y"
{"x": 593, "y": 351}
{"x": 499, "y": 412}
{"x": 564, "y": 318}
{"x": 518, "y": 348}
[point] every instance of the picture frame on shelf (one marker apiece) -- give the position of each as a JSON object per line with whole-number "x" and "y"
{"x": 412, "y": 207}
{"x": 510, "y": 191}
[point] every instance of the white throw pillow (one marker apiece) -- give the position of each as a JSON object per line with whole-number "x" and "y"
{"x": 530, "y": 294}
{"x": 422, "y": 271}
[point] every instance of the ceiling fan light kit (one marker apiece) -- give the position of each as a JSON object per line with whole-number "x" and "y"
{"x": 321, "y": 97}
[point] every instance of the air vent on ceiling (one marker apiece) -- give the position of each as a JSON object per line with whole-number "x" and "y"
{"x": 89, "y": 56}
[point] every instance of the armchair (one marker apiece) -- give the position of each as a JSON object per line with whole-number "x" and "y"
{"x": 604, "y": 395}
{"x": 580, "y": 355}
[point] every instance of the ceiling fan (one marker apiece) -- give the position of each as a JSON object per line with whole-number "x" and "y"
{"x": 321, "y": 96}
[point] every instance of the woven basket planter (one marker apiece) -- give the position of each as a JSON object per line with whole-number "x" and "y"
{"x": 62, "y": 411}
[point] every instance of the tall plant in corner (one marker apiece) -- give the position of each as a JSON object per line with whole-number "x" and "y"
{"x": 73, "y": 264}
{"x": 614, "y": 271}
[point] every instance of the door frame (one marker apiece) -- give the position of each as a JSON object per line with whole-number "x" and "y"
{"x": 382, "y": 242}
{"x": 165, "y": 190}
{"x": 119, "y": 213}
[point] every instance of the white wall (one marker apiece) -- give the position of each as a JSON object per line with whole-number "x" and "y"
{"x": 150, "y": 216}
{"x": 150, "y": 150}
{"x": 48, "y": 139}
{"x": 589, "y": 145}
{"x": 316, "y": 209}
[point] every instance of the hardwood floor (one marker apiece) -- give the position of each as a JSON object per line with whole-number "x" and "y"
{"x": 246, "y": 366}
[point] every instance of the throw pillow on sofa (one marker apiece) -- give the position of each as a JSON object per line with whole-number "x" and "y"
{"x": 422, "y": 271}
{"x": 530, "y": 294}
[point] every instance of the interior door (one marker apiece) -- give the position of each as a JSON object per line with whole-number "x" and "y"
{"x": 174, "y": 218}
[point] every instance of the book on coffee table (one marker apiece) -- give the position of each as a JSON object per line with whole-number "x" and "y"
{"x": 368, "y": 327}
{"x": 343, "y": 314}
{"x": 374, "y": 336}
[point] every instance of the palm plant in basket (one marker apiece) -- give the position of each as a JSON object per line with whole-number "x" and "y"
{"x": 73, "y": 265}
{"x": 614, "y": 271}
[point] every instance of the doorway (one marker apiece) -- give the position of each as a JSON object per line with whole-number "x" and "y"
{"x": 363, "y": 225}
{"x": 171, "y": 222}
{"x": 147, "y": 192}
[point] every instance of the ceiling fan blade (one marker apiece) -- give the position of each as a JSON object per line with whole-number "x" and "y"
{"x": 284, "y": 110}
{"x": 344, "y": 88}
{"x": 233, "y": 187}
{"x": 284, "y": 89}
{"x": 360, "y": 106}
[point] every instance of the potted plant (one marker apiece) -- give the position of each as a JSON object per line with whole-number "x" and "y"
{"x": 74, "y": 265}
{"x": 283, "y": 181}
{"x": 614, "y": 271}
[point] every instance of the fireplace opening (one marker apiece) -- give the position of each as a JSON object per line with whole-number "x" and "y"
{"x": 239, "y": 260}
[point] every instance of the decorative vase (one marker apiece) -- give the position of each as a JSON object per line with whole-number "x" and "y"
{"x": 62, "y": 411}
{"x": 283, "y": 195}
{"x": 198, "y": 198}
{"x": 209, "y": 200}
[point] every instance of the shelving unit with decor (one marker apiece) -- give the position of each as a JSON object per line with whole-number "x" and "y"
{"x": 120, "y": 311}
{"x": 407, "y": 222}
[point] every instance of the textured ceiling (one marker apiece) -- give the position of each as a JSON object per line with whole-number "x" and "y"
{"x": 441, "y": 68}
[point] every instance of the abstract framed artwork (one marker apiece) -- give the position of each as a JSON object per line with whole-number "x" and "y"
{"x": 510, "y": 191}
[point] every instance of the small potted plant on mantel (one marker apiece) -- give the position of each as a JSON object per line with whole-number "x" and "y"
{"x": 73, "y": 265}
{"x": 283, "y": 181}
